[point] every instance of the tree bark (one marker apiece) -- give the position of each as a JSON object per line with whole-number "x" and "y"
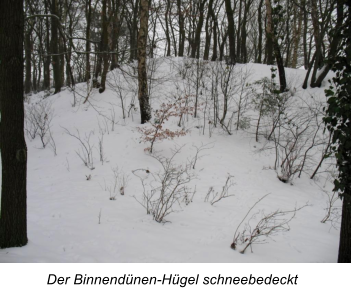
{"x": 231, "y": 31}
{"x": 277, "y": 54}
{"x": 333, "y": 47}
{"x": 13, "y": 218}
{"x": 104, "y": 45}
{"x": 345, "y": 230}
{"x": 55, "y": 48}
{"x": 47, "y": 58}
{"x": 145, "y": 109}
{"x": 195, "y": 51}
{"x": 87, "y": 43}
{"x": 28, "y": 60}
{"x": 297, "y": 35}
{"x": 269, "y": 34}
{"x": 181, "y": 36}
{"x": 260, "y": 33}
{"x": 208, "y": 31}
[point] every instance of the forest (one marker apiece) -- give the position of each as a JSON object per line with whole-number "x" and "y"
{"x": 199, "y": 127}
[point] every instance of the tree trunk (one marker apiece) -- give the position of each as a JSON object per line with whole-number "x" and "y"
{"x": 260, "y": 33}
{"x": 168, "y": 38}
{"x": 333, "y": 47}
{"x": 277, "y": 54}
{"x": 47, "y": 58}
{"x": 243, "y": 48}
{"x": 13, "y": 218}
{"x": 28, "y": 59}
{"x": 104, "y": 45}
{"x": 208, "y": 32}
{"x": 145, "y": 109}
{"x": 55, "y": 48}
{"x": 115, "y": 34}
{"x": 345, "y": 230}
{"x": 87, "y": 43}
{"x": 181, "y": 29}
{"x": 297, "y": 35}
{"x": 269, "y": 33}
{"x": 214, "y": 28}
{"x": 231, "y": 31}
{"x": 195, "y": 51}
{"x": 318, "y": 38}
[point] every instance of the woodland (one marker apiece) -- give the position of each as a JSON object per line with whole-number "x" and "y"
{"x": 219, "y": 124}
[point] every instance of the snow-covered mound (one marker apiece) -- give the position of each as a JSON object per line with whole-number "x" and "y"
{"x": 76, "y": 210}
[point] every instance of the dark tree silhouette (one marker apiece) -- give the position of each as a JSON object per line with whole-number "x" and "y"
{"x": 13, "y": 221}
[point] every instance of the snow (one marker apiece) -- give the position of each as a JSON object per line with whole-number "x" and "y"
{"x": 64, "y": 209}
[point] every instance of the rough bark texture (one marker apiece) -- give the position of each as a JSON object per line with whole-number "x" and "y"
{"x": 276, "y": 48}
{"x": 231, "y": 31}
{"x": 269, "y": 33}
{"x": 13, "y": 221}
{"x": 143, "y": 96}
{"x": 181, "y": 29}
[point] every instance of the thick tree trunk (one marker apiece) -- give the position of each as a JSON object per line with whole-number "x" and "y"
{"x": 333, "y": 47}
{"x": 195, "y": 51}
{"x": 13, "y": 218}
{"x": 345, "y": 230}
{"x": 115, "y": 35}
{"x": 214, "y": 28}
{"x": 145, "y": 110}
{"x": 181, "y": 36}
{"x": 208, "y": 32}
{"x": 260, "y": 33}
{"x": 276, "y": 48}
{"x": 168, "y": 38}
{"x": 28, "y": 60}
{"x": 231, "y": 31}
{"x": 269, "y": 33}
{"x": 243, "y": 48}
{"x": 318, "y": 38}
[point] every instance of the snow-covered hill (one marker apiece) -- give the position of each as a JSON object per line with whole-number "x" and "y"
{"x": 76, "y": 213}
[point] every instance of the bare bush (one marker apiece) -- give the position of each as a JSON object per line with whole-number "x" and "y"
{"x": 38, "y": 119}
{"x": 119, "y": 183}
{"x": 52, "y": 142}
{"x": 157, "y": 131}
{"x": 101, "y": 147}
{"x": 164, "y": 189}
{"x": 199, "y": 150}
{"x": 115, "y": 84}
{"x": 267, "y": 225}
{"x": 213, "y": 197}
{"x": 85, "y": 153}
{"x": 333, "y": 213}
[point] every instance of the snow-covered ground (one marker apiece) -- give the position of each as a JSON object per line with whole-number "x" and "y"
{"x": 72, "y": 219}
